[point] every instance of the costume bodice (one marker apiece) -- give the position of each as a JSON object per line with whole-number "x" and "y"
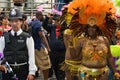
{"x": 94, "y": 53}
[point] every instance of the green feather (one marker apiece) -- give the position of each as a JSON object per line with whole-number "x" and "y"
{"x": 115, "y": 50}
{"x": 117, "y": 2}
{"x": 118, "y": 62}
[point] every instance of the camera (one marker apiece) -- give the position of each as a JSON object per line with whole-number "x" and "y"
{"x": 5, "y": 63}
{"x": 9, "y": 69}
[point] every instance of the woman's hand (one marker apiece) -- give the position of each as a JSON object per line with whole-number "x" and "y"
{"x": 3, "y": 68}
{"x": 118, "y": 43}
{"x": 117, "y": 75}
{"x": 49, "y": 50}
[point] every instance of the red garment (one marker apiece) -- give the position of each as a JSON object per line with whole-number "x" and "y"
{"x": 6, "y": 28}
{"x": 57, "y": 31}
{"x": 1, "y": 31}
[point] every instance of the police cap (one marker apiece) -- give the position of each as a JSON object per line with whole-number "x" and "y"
{"x": 15, "y": 14}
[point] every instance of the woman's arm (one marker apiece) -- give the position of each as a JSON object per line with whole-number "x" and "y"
{"x": 75, "y": 51}
{"x": 111, "y": 62}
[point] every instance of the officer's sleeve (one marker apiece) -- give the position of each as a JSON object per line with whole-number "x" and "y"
{"x": 31, "y": 54}
{"x": 2, "y": 44}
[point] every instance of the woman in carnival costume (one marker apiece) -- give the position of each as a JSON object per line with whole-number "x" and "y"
{"x": 90, "y": 57}
{"x": 64, "y": 22}
{"x": 115, "y": 50}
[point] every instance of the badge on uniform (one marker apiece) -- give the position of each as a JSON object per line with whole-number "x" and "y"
{"x": 13, "y": 12}
{"x": 21, "y": 40}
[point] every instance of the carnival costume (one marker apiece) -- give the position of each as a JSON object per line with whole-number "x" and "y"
{"x": 80, "y": 14}
{"x": 115, "y": 50}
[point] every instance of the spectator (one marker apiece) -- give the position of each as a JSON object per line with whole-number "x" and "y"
{"x": 5, "y": 23}
{"x": 57, "y": 54}
{"x": 25, "y": 24}
{"x": 41, "y": 45}
{"x": 19, "y": 4}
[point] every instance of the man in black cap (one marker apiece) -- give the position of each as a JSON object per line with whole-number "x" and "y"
{"x": 19, "y": 4}
{"x": 18, "y": 49}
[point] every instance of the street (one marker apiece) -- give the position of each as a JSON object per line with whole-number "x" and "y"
{"x": 41, "y": 77}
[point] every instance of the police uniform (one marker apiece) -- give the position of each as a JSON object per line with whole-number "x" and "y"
{"x": 18, "y": 49}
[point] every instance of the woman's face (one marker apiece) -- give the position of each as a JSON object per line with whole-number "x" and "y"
{"x": 118, "y": 36}
{"x": 5, "y": 21}
{"x": 40, "y": 17}
{"x": 92, "y": 31}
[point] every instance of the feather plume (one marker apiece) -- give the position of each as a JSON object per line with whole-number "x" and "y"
{"x": 102, "y": 10}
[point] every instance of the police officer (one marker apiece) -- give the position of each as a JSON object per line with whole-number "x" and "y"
{"x": 18, "y": 49}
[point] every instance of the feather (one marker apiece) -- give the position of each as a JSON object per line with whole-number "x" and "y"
{"x": 82, "y": 10}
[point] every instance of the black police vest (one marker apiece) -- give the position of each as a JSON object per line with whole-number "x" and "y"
{"x": 16, "y": 49}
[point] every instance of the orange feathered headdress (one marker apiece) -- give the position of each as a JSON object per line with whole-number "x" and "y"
{"x": 118, "y": 32}
{"x": 102, "y": 10}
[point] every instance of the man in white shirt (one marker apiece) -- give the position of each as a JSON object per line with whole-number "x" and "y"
{"x": 18, "y": 49}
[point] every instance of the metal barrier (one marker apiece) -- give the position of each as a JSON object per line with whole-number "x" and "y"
{"x": 29, "y": 6}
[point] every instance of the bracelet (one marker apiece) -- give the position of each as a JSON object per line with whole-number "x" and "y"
{"x": 70, "y": 46}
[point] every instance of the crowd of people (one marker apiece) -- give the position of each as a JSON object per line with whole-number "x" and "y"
{"x": 73, "y": 46}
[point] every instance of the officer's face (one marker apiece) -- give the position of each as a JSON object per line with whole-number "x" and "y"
{"x": 15, "y": 24}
